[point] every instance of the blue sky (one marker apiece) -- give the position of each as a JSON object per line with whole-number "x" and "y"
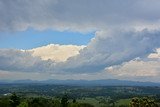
{"x": 33, "y": 38}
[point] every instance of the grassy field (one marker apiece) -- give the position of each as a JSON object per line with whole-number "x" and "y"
{"x": 92, "y": 101}
{"x": 123, "y": 102}
{"x": 99, "y": 102}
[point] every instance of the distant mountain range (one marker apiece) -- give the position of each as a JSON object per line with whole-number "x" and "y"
{"x": 105, "y": 82}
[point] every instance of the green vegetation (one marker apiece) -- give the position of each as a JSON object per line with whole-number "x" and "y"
{"x": 143, "y": 102}
{"x": 41, "y": 95}
{"x": 123, "y": 102}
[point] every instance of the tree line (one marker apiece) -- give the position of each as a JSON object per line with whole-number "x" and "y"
{"x": 15, "y": 101}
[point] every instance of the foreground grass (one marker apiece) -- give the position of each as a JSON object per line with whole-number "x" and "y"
{"x": 97, "y": 102}
{"x": 123, "y": 102}
{"x": 92, "y": 101}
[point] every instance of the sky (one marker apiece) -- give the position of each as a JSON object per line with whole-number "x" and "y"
{"x": 31, "y": 38}
{"x": 80, "y": 39}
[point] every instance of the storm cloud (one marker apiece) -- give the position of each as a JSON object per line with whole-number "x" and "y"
{"x": 106, "y": 49}
{"x": 23, "y": 61}
{"x": 78, "y": 15}
{"x": 113, "y": 48}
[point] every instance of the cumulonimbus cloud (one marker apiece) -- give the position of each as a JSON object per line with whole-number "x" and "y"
{"x": 42, "y": 59}
{"x": 112, "y": 48}
{"x": 106, "y": 49}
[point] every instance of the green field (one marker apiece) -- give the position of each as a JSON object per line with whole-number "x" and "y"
{"x": 44, "y": 95}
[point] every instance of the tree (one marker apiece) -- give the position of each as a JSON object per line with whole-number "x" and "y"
{"x": 64, "y": 101}
{"x": 85, "y": 105}
{"x": 14, "y": 100}
{"x": 74, "y": 100}
{"x": 56, "y": 103}
{"x": 144, "y": 102}
{"x": 111, "y": 102}
{"x": 40, "y": 102}
{"x": 23, "y": 104}
{"x": 134, "y": 102}
{"x": 4, "y": 102}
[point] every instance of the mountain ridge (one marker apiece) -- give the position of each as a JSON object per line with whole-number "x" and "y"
{"x": 101, "y": 82}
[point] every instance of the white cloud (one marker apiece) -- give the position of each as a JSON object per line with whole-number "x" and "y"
{"x": 42, "y": 59}
{"x": 112, "y": 48}
{"x": 155, "y": 55}
{"x": 105, "y": 50}
{"x": 56, "y": 52}
{"x": 137, "y": 70}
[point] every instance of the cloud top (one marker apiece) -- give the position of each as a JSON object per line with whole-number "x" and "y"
{"x": 56, "y": 52}
{"x": 113, "y": 48}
